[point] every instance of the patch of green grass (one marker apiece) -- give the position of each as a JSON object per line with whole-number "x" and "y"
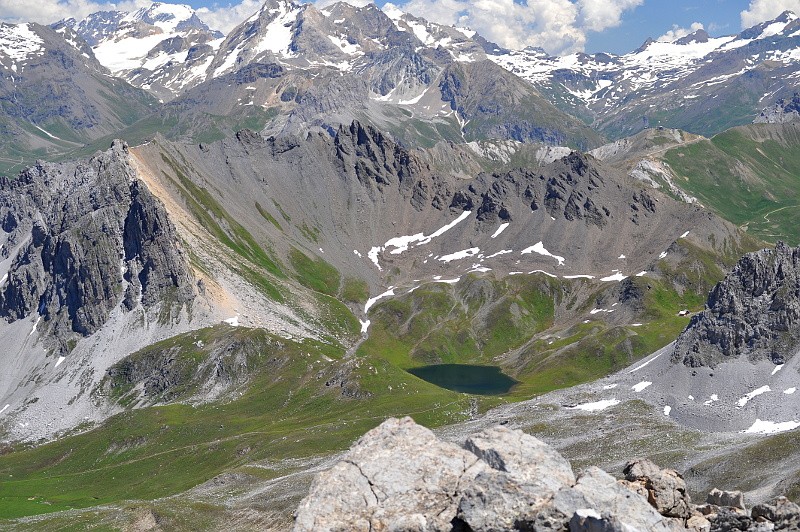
{"x": 749, "y": 175}
{"x": 440, "y": 324}
{"x": 355, "y": 291}
{"x": 280, "y": 210}
{"x": 268, "y": 217}
{"x": 315, "y": 274}
{"x": 294, "y": 407}
{"x": 311, "y": 233}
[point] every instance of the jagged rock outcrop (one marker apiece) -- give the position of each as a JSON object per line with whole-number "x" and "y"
{"x": 83, "y": 237}
{"x": 752, "y": 313}
{"x": 665, "y": 489}
{"x": 784, "y": 110}
{"x": 399, "y": 476}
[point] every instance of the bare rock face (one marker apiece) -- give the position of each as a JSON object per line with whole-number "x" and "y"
{"x": 398, "y": 476}
{"x": 82, "y": 238}
{"x": 754, "y": 312}
{"x": 665, "y": 489}
{"x": 734, "y": 499}
{"x": 784, "y": 110}
{"x": 784, "y": 514}
{"x": 525, "y": 474}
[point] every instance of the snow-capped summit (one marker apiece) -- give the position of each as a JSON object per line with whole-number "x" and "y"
{"x": 18, "y": 43}
{"x": 171, "y": 18}
{"x": 149, "y": 47}
{"x": 669, "y": 79}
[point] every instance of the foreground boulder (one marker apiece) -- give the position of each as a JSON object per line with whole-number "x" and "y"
{"x": 400, "y": 476}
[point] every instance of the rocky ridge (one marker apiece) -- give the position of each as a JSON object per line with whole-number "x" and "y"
{"x": 81, "y": 237}
{"x": 400, "y": 476}
{"x": 784, "y": 110}
{"x": 753, "y": 313}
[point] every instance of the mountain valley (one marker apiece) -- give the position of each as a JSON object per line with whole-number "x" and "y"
{"x": 224, "y": 257}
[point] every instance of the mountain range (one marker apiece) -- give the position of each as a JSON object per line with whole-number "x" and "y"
{"x": 254, "y": 247}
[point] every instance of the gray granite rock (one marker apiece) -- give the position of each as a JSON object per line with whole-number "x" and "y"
{"x": 754, "y": 312}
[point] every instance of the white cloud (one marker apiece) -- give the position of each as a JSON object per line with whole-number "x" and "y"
{"x": 763, "y": 10}
{"x": 677, "y": 32}
{"x": 558, "y": 26}
{"x": 49, "y": 11}
{"x": 225, "y": 18}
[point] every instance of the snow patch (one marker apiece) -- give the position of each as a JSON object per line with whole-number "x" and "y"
{"x": 758, "y": 391}
{"x": 667, "y": 410}
{"x": 684, "y": 235}
{"x": 373, "y": 256}
{"x": 789, "y": 391}
{"x": 637, "y": 368}
{"x": 33, "y": 330}
{"x": 500, "y": 230}
{"x": 19, "y": 42}
{"x": 640, "y": 386}
{"x": 713, "y": 398}
{"x": 493, "y": 255}
{"x": 371, "y": 301}
{"x": 364, "y": 326}
{"x": 596, "y": 406}
{"x": 774, "y": 371}
{"x": 614, "y": 277}
{"x": 233, "y": 322}
{"x": 610, "y": 386}
{"x": 59, "y": 361}
{"x": 463, "y": 254}
{"x": 4, "y": 409}
{"x": 544, "y": 272}
{"x": 539, "y": 248}
{"x": 402, "y": 243}
{"x": 771, "y": 427}
{"x": 662, "y": 255}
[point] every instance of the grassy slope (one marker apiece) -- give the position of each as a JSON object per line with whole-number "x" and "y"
{"x": 287, "y": 411}
{"x": 293, "y": 405}
{"x": 749, "y": 175}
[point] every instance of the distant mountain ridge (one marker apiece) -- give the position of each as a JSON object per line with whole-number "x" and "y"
{"x": 697, "y": 83}
{"x": 670, "y": 84}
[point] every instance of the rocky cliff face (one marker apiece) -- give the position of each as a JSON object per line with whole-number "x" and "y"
{"x": 79, "y": 238}
{"x": 400, "y": 476}
{"x": 752, "y": 313}
{"x": 784, "y": 110}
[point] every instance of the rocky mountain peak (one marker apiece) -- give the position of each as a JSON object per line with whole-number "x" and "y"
{"x": 699, "y": 36}
{"x": 753, "y": 313}
{"x": 84, "y": 238}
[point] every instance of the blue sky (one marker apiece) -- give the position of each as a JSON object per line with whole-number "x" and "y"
{"x": 655, "y": 18}
{"x": 558, "y": 26}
